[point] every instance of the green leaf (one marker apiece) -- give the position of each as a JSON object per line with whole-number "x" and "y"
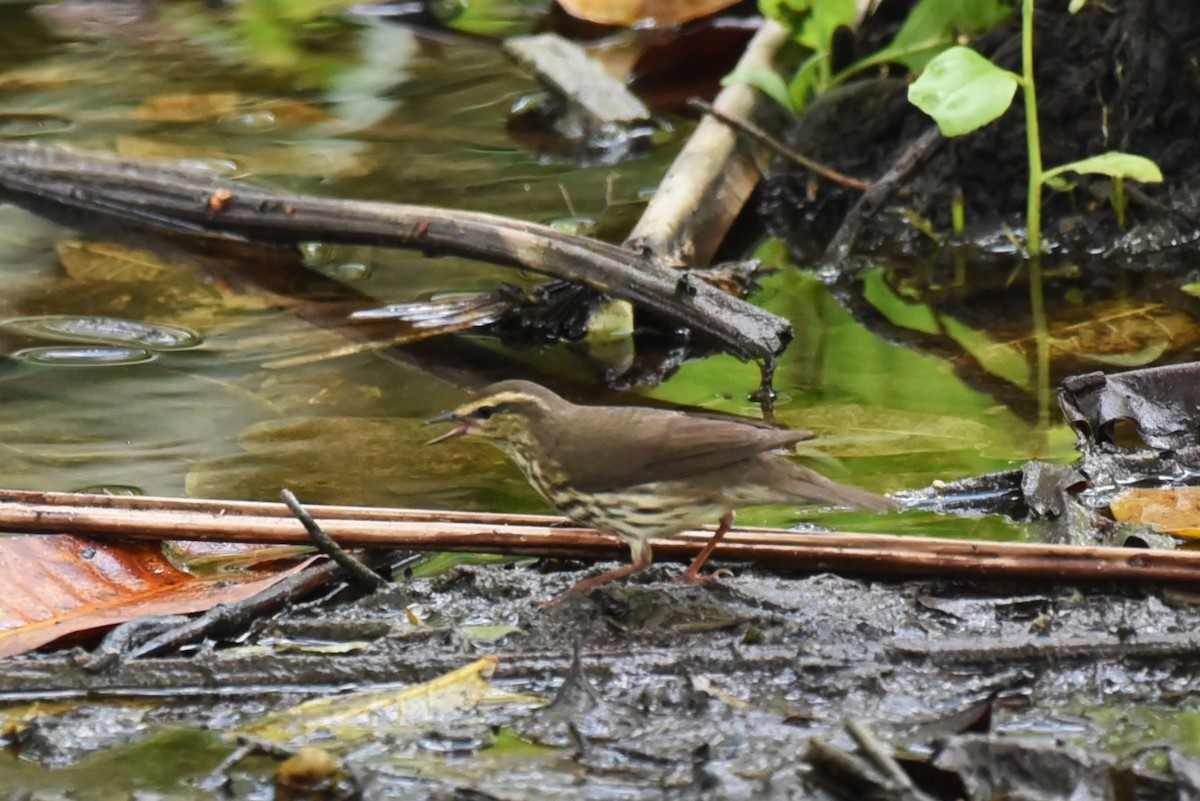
{"x": 1058, "y": 183}
{"x": 1113, "y": 163}
{"x": 963, "y": 91}
{"x": 765, "y": 80}
{"x": 858, "y": 430}
{"x": 1140, "y": 358}
{"x": 996, "y": 357}
{"x": 789, "y": 13}
{"x": 935, "y": 24}
{"x": 807, "y": 82}
{"x": 810, "y": 23}
{"x": 899, "y": 310}
{"x": 825, "y": 18}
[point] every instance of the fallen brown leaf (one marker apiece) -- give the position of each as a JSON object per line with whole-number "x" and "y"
{"x": 58, "y": 584}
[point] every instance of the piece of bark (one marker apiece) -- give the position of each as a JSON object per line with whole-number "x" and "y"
{"x": 568, "y": 70}
{"x": 711, "y": 178}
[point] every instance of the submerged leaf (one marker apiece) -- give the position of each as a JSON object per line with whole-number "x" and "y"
{"x": 1001, "y": 359}
{"x": 1112, "y": 333}
{"x": 859, "y": 430}
{"x": 106, "y": 261}
{"x": 1117, "y": 333}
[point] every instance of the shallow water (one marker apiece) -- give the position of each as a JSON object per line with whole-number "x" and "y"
{"x": 118, "y": 397}
{"x": 394, "y": 115}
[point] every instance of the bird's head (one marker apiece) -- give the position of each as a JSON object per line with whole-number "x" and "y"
{"x": 508, "y": 413}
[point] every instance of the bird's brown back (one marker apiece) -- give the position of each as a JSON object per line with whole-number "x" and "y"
{"x": 604, "y": 448}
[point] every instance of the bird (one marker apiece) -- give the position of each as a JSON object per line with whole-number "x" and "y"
{"x": 643, "y": 473}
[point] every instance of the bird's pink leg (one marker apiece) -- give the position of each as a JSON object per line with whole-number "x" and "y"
{"x": 692, "y": 574}
{"x": 639, "y": 551}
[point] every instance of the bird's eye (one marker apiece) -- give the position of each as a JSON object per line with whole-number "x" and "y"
{"x": 485, "y": 412}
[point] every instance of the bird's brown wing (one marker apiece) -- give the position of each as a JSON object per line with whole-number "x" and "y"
{"x": 621, "y": 447}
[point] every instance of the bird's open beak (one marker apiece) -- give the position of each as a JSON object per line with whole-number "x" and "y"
{"x": 462, "y": 428}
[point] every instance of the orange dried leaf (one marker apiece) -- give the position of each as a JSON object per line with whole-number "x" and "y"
{"x": 629, "y": 12}
{"x": 1174, "y": 511}
{"x": 60, "y": 584}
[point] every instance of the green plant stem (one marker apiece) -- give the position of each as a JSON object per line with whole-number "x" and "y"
{"x": 1033, "y": 209}
{"x": 1041, "y": 336}
{"x": 1033, "y": 219}
{"x": 958, "y": 222}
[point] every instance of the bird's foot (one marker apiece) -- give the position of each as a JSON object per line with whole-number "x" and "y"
{"x": 690, "y": 576}
{"x": 586, "y": 585}
{"x": 553, "y": 602}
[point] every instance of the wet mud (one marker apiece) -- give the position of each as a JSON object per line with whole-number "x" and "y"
{"x": 741, "y": 688}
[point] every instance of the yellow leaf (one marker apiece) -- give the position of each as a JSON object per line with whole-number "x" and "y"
{"x": 1174, "y": 510}
{"x": 369, "y": 713}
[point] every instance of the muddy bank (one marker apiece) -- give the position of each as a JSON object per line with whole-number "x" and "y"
{"x": 1115, "y": 76}
{"x": 713, "y": 691}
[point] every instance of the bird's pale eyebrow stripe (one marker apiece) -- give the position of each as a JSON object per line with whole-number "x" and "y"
{"x": 504, "y": 398}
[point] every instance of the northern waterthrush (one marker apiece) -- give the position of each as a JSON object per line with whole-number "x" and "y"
{"x": 642, "y": 473}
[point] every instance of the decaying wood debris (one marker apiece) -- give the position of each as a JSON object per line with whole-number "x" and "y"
{"x": 59, "y": 183}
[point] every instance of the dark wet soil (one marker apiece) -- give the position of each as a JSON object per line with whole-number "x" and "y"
{"x": 715, "y": 691}
{"x": 1115, "y": 76}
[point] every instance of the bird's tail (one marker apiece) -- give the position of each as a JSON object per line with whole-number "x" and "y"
{"x": 811, "y": 486}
